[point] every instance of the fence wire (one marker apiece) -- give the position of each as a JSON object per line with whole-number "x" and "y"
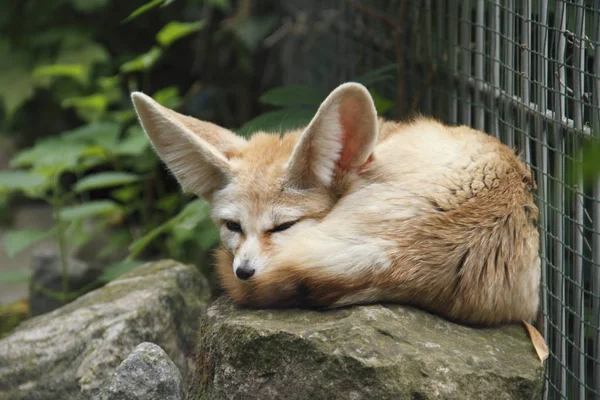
{"x": 527, "y": 72}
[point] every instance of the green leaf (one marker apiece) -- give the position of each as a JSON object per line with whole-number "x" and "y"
{"x": 252, "y": 31}
{"x": 80, "y": 49}
{"x": 87, "y": 6}
{"x": 169, "y": 203}
{"x": 49, "y": 152}
{"x": 116, "y": 270}
{"x": 77, "y": 55}
{"x": 15, "y": 276}
{"x": 293, "y": 95}
{"x": 196, "y": 210}
{"x": 223, "y": 5}
{"x": 192, "y": 214}
{"x": 385, "y": 73}
{"x": 176, "y": 30}
{"x": 168, "y": 97}
{"x": 143, "y": 62}
{"x": 19, "y": 181}
{"x": 109, "y": 82}
{"x": 18, "y": 240}
{"x": 58, "y": 154}
{"x": 104, "y": 134}
{"x": 209, "y": 237}
{"x": 89, "y": 209}
{"x": 127, "y": 194}
{"x": 144, "y": 9}
{"x": 16, "y": 84}
{"x": 278, "y": 121}
{"x": 104, "y": 180}
{"x": 121, "y": 116}
{"x": 133, "y": 146}
{"x": 590, "y": 167}
{"x": 45, "y": 75}
{"x": 381, "y": 103}
{"x": 140, "y": 244}
{"x": 89, "y": 108}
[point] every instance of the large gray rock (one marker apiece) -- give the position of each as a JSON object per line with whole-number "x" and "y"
{"x": 70, "y": 352}
{"x": 146, "y": 374}
{"x": 368, "y": 352}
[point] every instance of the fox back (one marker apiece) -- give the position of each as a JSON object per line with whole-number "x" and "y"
{"x": 354, "y": 209}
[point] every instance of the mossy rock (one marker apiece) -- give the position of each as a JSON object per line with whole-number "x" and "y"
{"x": 366, "y": 352}
{"x": 70, "y": 352}
{"x": 11, "y": 315}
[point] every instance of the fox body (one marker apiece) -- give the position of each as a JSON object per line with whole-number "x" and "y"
{"x": 354, "y": 209}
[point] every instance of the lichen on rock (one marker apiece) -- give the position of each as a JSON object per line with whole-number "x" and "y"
{"x": 70, "y": 352}
{"x": 146, "y": 374}
{"x": 366, "y": 352}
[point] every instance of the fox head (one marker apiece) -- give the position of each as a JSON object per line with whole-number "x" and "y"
{"x": 264, "y": 190}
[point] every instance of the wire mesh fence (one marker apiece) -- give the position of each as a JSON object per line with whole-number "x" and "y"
{"x": 527, "y": 72}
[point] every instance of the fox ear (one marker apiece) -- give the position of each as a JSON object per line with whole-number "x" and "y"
{"x": 339, "y": 138}
{"x": 196, "y": 152}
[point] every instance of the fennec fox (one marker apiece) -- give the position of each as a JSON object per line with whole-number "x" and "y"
{"x": 354, "y": 209}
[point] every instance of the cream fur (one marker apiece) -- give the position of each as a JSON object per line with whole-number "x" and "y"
{"x": 419, "y": 213}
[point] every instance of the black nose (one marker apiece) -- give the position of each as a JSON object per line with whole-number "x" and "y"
{"x": 244, "y": 272}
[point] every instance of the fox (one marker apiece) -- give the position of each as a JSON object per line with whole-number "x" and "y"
{"x": 355, "y": 209}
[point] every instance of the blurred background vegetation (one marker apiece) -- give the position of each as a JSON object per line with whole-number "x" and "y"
{"x": 71, "y": 139}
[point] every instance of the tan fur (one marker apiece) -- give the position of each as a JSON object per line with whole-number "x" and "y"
{"x": 439, "y": 217}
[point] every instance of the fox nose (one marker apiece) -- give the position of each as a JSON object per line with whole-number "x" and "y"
{"x": 244, "y": 272}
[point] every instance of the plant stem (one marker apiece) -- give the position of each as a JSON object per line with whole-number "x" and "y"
{"x": 57, "y": 204}
{"x": 62, "y": 248}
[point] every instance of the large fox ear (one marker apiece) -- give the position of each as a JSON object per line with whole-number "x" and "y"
{"x": 339, "y": 138}
{"x": 196, "y": 152}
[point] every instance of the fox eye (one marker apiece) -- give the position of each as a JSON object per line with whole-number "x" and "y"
{"x": 282, "y": 227}
{"x": 233, "y": 226}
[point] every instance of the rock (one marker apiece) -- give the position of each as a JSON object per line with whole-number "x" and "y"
{"x": 47, "y": 276}
{"x": 367, "y": 352}
{"x": 146, "y": 374}
{"x": 11, "y": 315}
{"x": 70, "y": 352}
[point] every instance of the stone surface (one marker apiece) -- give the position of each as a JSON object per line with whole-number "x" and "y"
{"x": 146, "y": 374}
{"x": 47, "y": 277}
{"x": 70, "y": 352}
{"x": 368, "y": 352}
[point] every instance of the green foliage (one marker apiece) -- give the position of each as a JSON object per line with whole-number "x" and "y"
{"x": 176, "y": 30}
{"x": 143, "y": 62}
{"x": 65, "y": 83}
{"x": 382, "y": 105}
{"x": 293, "y": 95}
{"x": 15, "y": 276}
{"x": 145, "y": 8}
{"x": 66, "y": 74}
{"x": 252, "y": 31}
{"x": 182, "y": 226}
{"x": 12, "y": 181}
{"x": 88, "y": 108}
{"x": 15, "y": 241}
{"x": 89, "y": 209}
{"x": 590, "y": 168}
{"x": 118, "y": 269}
{"x": 298, "y": 104}
{"x": 47, "y": 73}
{"x": 278, "y": 121}
{"x": 378, "y": 75}
{"x": 16, "y": 83}
{"x": 105, "y": 180}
